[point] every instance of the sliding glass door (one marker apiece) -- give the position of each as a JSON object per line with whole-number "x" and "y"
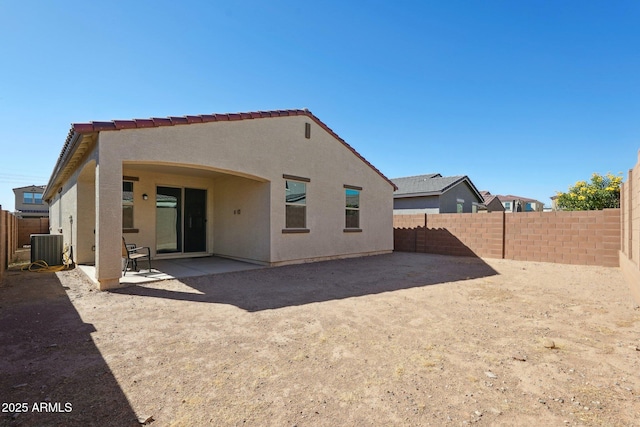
{"x": 181, "y": 220}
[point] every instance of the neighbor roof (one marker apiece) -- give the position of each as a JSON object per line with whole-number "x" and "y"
{"x": 488, "y": 197}
{"x": 510, "y": 197}
{"x": 432, "y": 184}
{"x": 30, "y": 187}
{"x": 78, "y": 129}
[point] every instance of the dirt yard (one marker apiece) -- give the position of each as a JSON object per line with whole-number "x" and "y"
{"x": 401, "y": 339}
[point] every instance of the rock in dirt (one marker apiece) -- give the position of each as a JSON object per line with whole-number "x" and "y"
{"x": 145, "y": 420}
{"x": 548, "y": 343}
{"x": 491, "y": 374}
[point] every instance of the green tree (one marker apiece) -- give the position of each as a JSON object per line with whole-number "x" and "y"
{"x": 603, "y": 191}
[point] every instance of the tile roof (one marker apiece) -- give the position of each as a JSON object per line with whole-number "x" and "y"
{"x": 488, "y": 198}
{"x": 432, "y": 184}
{"x": 78, "y": 129}
{"x": 429, "y": 183}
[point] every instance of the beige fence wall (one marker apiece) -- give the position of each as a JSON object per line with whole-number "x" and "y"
{"x": 29, "y": 226}
{"x": 587, "y": 238}
{"x": 581, "y": 237}
{"x": 630, "y": 229}
{"x": 8, "y": 239}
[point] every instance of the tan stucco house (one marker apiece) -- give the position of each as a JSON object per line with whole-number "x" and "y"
{"x": 271, "y": 188}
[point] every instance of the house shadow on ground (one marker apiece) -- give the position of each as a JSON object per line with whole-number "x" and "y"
{"x": 294, "y": 285}
{"x": 49, "y": 361}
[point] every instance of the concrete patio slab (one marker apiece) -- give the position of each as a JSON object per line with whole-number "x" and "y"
{"x": 166, "y": 269}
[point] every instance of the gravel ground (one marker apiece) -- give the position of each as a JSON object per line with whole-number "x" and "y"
{"x": 400, "y": 339}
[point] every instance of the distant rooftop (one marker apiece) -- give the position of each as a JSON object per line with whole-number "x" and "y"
{"x": 429, "y": 184}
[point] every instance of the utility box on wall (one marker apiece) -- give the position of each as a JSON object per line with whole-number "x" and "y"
{"x": 47, "y": 248}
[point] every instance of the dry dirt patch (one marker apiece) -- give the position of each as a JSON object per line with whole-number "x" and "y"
{"x": 400, "y": 339}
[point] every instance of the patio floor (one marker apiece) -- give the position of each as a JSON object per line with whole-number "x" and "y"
{"x": 165, "y": 269}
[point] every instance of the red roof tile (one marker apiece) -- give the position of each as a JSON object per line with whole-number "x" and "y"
{"x": 179, "y": 120}
{"x": 104, "y": 126}
{"x": 144, "y": 123}
{"x": 80, "y": 128}
{"x": 162, "y": 121}
{"x": 125, "y": 124}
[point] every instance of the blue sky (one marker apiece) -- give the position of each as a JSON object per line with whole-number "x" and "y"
{"x": 524, "y": 97}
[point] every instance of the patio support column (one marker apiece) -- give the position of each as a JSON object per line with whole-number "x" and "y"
{"x": 108, "y": 220}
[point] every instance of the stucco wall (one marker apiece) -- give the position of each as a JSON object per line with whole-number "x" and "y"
{"x": 62, "y": 209}
{"x": 241, "y": 219}
{"x": 72, "y": 209}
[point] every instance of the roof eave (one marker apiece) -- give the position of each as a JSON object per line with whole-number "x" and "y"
{"x": 423, "y": 194}
{"x": 74, "y": 149}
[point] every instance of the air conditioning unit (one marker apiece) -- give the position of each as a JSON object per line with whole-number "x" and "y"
{"x": 47, "y": 248}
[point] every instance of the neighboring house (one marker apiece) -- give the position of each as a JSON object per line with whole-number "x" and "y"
{"x": 274, "y": 187}
{"x": 513, "y": 203}
{"x": 29, "y": 202}
{"x": 434, "y": 193}
{"x": 491, "y": 203}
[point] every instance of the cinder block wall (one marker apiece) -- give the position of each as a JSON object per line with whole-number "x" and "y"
{"x": 584, "y": 237}
{"x": 408, "y": 221}
{"x": 465, "y": 234}
{"x": 587, "y": 238}
{"x": 405, "y": 231}
{"x": 29, "y": 226}
{"x": 630, "y": 229}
